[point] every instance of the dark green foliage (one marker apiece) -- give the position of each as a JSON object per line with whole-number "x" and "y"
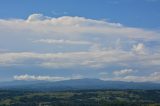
{"x": 81, "y": 98}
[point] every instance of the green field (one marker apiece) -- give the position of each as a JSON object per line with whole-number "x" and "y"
{"x": 81, "y": 98}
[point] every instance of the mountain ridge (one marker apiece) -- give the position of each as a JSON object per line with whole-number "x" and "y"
{"x": 77, "y": 84}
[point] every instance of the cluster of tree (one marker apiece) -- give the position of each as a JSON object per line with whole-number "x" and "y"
{"x": 81, "y": 98}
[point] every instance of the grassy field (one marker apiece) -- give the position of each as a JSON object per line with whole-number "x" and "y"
{"x": 81, "y": 98}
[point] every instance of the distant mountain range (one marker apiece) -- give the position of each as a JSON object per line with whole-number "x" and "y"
{"x": 78, "y": 84}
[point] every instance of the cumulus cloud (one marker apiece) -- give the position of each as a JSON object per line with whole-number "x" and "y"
{"x": 45, "y": 78}
{"x": 123, "y": 72}
{"x": 37, "y": 17}
{"x": 139, "y": 48}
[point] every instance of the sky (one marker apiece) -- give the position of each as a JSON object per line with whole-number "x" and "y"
{"x": 58, "y": 40}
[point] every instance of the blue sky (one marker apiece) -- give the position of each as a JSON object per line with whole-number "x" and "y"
{"x": 137, "y": 13}
{"x": 71, "y": 39}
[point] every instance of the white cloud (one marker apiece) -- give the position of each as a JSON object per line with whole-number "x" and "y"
{"x": 37, "y": 17}
{"x": 153, "y": 77}
{"x": 71, "y": 27}
{"x": 71, "y": 59}
{"x": 61, "y": 41}
{"x": 64, "y": 30}
{"x": 34, "y": 41}
{"x": 123, "y": 72}
{"x": 139, "y": 48}
{"x": 45, "y": 78}
{"x": 95, "y": 59}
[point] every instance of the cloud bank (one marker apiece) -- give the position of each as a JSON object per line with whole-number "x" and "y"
{"x": 78, "y": 42}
